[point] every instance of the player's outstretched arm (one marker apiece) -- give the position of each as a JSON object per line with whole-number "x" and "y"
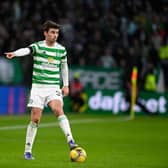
{"x": 18, "y": 53}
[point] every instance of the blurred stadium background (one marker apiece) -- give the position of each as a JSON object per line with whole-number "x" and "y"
{"x": 104, "y": 39}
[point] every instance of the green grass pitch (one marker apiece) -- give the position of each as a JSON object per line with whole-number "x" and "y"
{"x": 110, "y": 141}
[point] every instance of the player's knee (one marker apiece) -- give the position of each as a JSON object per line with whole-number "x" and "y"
{"x": 36, "y": 120}
{"x": 36, "y": 115}
{"x": 57, "y": 111}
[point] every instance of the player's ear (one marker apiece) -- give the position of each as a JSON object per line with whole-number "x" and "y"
{"x": 45, "y": 33}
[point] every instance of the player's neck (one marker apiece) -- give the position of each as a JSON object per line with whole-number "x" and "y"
{"x": 49, "y": 43}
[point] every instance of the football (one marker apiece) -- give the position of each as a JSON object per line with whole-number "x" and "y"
{"x": 78, "y": 155}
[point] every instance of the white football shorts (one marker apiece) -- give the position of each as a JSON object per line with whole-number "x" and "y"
{"x": 40, "y": 97}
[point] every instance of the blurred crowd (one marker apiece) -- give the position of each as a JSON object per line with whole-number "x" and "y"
{"x": 107, "y": 33}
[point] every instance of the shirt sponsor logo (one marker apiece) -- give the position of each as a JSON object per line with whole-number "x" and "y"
{"x": 50, "y": 60}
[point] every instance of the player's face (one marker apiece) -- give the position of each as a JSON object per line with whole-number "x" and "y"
{"x": 52, "y": 35}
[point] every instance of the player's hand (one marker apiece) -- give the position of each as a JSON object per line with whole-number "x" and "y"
{"x": 9, "y": 55}
{"x": 65, "y": 90}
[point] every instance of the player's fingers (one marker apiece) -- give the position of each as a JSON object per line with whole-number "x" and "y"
{"x": 64, "y": 93}
{"x": 9, "y": 55}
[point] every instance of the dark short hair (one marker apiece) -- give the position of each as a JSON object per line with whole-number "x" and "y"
{"x": 49, "y": 25}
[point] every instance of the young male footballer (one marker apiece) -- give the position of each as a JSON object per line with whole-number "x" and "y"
{"x": 49, "y": 60}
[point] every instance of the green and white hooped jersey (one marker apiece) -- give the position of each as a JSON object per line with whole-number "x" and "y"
{"x": 47, "y": 63}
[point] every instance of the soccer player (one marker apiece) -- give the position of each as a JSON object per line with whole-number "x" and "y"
{"x": 50, "y": 62}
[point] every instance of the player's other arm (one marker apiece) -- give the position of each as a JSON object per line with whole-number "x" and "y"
{"x": 65, "y": 78}
{"x": 20, "y": 52}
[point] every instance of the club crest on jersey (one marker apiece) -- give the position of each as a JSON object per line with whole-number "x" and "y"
{"x": 42, "y": 52}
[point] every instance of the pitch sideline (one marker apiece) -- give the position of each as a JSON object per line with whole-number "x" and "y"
{"x": 79, "y": 121}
